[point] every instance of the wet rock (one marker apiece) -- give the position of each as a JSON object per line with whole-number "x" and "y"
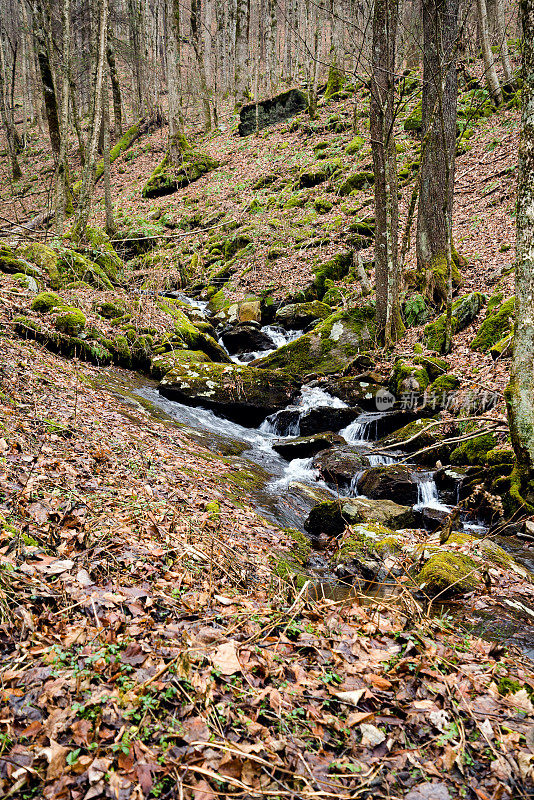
{"x": 246, "y": 338}
{"x": 450, "y": 481}
{"x": 340, "y": 464}
{"x": 306, "y": 446}
{"x": 163, "y": 364}
{"x": 426, "y": 436}
{"x": 448, "y": 574}
{"x": 432, "y": 517}
{"x": 394, "y": 482}
{"x": 325, "y": 518}
{"x": 297, "y": 316}
{"x": 326, "y": 418}
{"x": 330, "y": 347}
{"x": 240, "y": 392}
{"x": 384, "y": 512}
{"x": 256, "y": 116}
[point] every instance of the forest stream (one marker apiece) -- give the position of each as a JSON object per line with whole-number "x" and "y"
{"x": 284, "y": 491}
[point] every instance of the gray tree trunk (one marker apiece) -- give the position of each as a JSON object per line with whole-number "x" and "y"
{"x": 492, "y": 79}
{"x": 7, "y": 118}
{"x": 520, "y": 391}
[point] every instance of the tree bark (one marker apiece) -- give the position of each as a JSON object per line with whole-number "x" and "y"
{"x": 520, "y": 390}
{"x": 47, "y": 78}
{"x": 492, "y": 79}
{"x": 88, "y": 180}
{"x": 172, "y": 33}
{"x": 7, "y": 119}
{"x": 439, "y": 106}
{"x": 271, "y": 54}
{"x": 242, "y": 87}
{"x": 502, "y": 33}
{"x": 62, "y": 163}
{"x": 115, "y": 90}
{"x": 382, "y": 112}
{"x": 198, "y": 48}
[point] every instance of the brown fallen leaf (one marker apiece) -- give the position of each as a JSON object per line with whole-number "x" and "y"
{"x": 56, "y": 755}
{"x": 225, "y": 658}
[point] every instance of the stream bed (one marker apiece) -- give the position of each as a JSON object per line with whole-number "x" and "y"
{"x": 284, "y": 491}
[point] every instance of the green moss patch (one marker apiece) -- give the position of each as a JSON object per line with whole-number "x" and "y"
{"x": 448, "y": 574}
{"x": 168, "y": 178}
{"x": 464, "y": 311}
{"x": 496, "y": 326}
{"x": 71, "y": 321}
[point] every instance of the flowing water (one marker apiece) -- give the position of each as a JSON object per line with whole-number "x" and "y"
{"x": 284, "y": 492}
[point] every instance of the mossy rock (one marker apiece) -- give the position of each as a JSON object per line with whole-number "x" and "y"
{"x": 291, "y": 565}
{"x": 415, "y": 310}
{"x": 13, "y": 264}
{"x": 336, "y": 81}
{"x": 414, "y": 122}
{"x": 445, "y": 383}
{"x": 448, "y": 574}
{"x": 73, "y": 266}
{"x": 241, "y": 392}
{"x": 103, "y": 253}
{"x": 63, "y": 344}
{"x": 464, "y": 312}
{"x": 503, "y": 348}
{"x": 474, "y": 451}
{"x": 322, "y": 205}
{"x": 370, "y": 539}
{"x": 27, "y": 281}
{"x": 46, "y": 301}
{"x": 325, "y": 518}
{"x": 408, "y": 377}
{"x": 499, "y": 456}
{"x": 190, "y": 336}
{"x": 296, "y": 200}
{"x": 168, "y": 178}
{"x": 330, "y": 347}
{"x": 427, "y": 436}
{"x": 236, "y": 243}
{"x": 364, "y": 228}
{"x": 311, "y": 177}
{"x": 274, "y": 253}
{"x": 356, "y": 182}
{"x": 496, "y": 326}
{"x": 432, "y": 280}
{"x": 334, "y": 269}
{"x": 297, "y": 316}
{"x": 163, "y": 364}
{"x": 110, "y": 309}
{"x": 355, "y": 145}
{"x": 46, "y": 259}
{"x": 434, "y": 365}
{"x": 70, "y": 321}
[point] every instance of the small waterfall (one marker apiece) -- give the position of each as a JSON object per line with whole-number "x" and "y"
{"x": 363, "y": 429}
{"x": 353, "y": 488}
{"x": 287, "y": 421}
{"x": 279, "y": 337}
{"x": 427, "y": 493}
{"x": 300, "y": 469}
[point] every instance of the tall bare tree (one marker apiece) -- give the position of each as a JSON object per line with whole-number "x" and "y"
{"x": 382, "y": 116}
{"x": 520, "y": 390}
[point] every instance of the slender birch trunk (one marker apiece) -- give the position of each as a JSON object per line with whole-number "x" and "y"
{"x": 62, "y": 164}
{"x": 492, "y": 79}
{"x": 503, "y": 42}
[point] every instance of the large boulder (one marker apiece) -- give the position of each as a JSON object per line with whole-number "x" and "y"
{"x": 331, "y": 517}
{"x": 238, "y": 391}
{"x": 326, "y": 418}
{"x": 306, "y": 446}
{"x": 330, "y": 347}
{"x": 464, "y": 312}
{"x": 168, "y": 178}
{"x": 416, "y": 435}
{"x": 339, "y": 465}
{"x": 297, "y": 316}
{"x": 246, "y": 338}
{"x": 397, "y": 483}
{"x": 256, "y": 116}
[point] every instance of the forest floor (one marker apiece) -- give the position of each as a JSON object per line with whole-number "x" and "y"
{"x": 148, "y": 650}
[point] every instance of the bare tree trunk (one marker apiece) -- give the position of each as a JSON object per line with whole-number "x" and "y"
{"x": 7, "y": 118}
{"x": 439, "y": 106}
{"x": 172, "y": 34}
{"x": 88, "y": 180}
{"x": 242, "y": 88}
{"x": 62, "y": 164}
{"x": 139, "y": 99}
{"x": 45, "y": 67}
{"x": 198, "y": 47}
{"x": 489, "y": 63}
{"x": 115, "y": 90}
{"x": 271, "y": 55}
{"x": 382, "y": 114}
{"x": 110, "y": 222}
{"x": 503, "y": 42}
{"x": 312, "y": 56}
{"x": 520, "y": 390}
